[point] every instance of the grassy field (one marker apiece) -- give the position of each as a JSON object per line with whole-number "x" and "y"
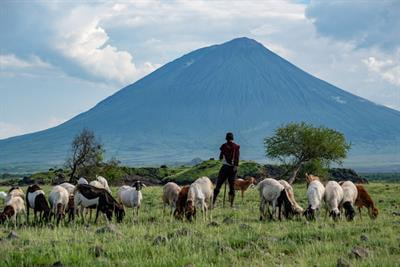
{"x": 237, "y": 238}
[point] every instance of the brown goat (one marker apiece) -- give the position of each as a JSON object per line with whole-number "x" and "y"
{"x": 242, "y": 185}
{"x": 365, "y": 200}
{"x": 181, "y": 202}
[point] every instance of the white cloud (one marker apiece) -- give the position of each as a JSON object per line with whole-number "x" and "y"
{"x": 388, "y": 69}
{"x": 11, "y": 61}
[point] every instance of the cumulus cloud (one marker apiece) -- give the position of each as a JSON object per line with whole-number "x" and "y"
{"x": 388, "y": 69}
{"x": 365, "y": 23}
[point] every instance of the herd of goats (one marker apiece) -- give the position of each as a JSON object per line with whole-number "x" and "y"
{"x": 72, "y": 200}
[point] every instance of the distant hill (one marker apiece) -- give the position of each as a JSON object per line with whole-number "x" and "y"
{"x": 183, "y": 109}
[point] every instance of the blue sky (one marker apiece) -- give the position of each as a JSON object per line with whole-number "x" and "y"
{"x": 59, "y": 58}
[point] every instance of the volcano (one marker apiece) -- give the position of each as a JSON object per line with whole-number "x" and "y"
{"x": 182, "y": 111}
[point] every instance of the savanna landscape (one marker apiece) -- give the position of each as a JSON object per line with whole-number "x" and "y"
{"x": 234, "y": 237}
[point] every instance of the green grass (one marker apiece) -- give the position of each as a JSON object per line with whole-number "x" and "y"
{"x": 243, "y": 242}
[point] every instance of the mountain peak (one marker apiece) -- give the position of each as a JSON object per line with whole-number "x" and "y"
{"x": 242, "y": 42}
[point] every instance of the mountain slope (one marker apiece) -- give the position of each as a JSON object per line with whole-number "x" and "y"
{"x": 182, "y": 111}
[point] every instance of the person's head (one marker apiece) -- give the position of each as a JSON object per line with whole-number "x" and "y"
{"x": 229, "y": 137}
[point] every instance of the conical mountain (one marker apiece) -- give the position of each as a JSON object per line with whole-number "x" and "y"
{"x": 182, "y": 110}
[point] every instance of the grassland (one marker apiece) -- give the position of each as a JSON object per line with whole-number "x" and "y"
{"x": 238, "y": 238}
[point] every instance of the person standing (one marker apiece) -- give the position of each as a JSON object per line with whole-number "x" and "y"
{"x": 230, "y": 162}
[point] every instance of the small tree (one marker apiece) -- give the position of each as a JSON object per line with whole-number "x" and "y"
{"x": 86, "y": 151}
{"x": 297, "y": 144}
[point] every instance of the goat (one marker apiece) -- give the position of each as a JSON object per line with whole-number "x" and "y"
{"x": 272, "y": 192}
{"x": 82, "y": 180}
{"x": 70, "y": 187}
{"x": 170, "y": 195}
{"x": 89, "y": 196}
{"x": 315, "y": 193}
{"x": 180, "y": 208}
{"x": 297, "y": 209}
{"x": 36, "y": 200}
{"x": 200, "y": 194}
{"x": 333, "y": 197}
{"x": 349, "y": 198}
{"x": 13, "y": 208}
{"x": 15, "y": 191}
{"x": 365, "y": 200}
{"x": 58, "y": 199}
{"x": 243, "y": 185}
{"x": 3, "y": 196}
{"x": 131, "y": 196}
{"x": 104, "y": 182}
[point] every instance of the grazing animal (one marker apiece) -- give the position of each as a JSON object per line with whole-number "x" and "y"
{"x": 13, "y": 208}
{"x": 297, "y": 209}
{"x": 58, "y": 199}
{"x": 333, "y": 197}
{"x": 315, "y": 193}
{"x": 200, "y": 195}
{"x": 365, "y": 200}
{"x": 349, "y": 198}
{"x": 272, "y": 192}
{"x": 180, "y": 208}
{"x": 70, "y": 187}
{"x": 3, "y": 196}
{"x": 82, "y": 180}
{"x": 104, "y": 182}
{"x": 131, "y": 196}
{"x": 242, "y": 185}
{"x": 15, "y": 191}
{"x": 86, "y": 196}
{"x": 36, "y": 200}
{"x": 170, "y": 195}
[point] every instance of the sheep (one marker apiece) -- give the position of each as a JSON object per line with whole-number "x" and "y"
{"x": 14, "y": 206}
{"x": 200, "y": 194}
{"x": 333, "y": 197}
{"x": 104, "y": 182}
{"x": 243, "y": 185}
{"x": 365, "y": 200}
{"x": 86, "y": 196}
{"x": 170, "y": 195}
{"x": 131, "y": 196}
{"x": 272, "y": 192}
{"x": 315, "y": 193}
{"x": 181, "y": 203}
{"x": 297, "y": 209}
{"x": 82, "y": 180}
{"x": 70, "y": 187}
{"x": 349, "y": 198}
{"x": 58, "y": 199}
{"x": 36, "y": 200}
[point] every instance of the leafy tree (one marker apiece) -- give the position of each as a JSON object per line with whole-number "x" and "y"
{"x": 86, "y": 152}
{"x": 297, "y": 144}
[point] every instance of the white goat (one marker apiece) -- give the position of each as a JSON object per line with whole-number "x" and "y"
{"x": 333, "y": 197}
{"x": 58, "y": 199}
{"x": 69, "y": 187}
{"x": 315, "y": 193}
{"x": 104, "y": 182}
{"x": 201, "y": 195}
{"x": 14, "y": 206}
{"x": 82, "y": 180}
{"x": 272, "y": 192}
{"x": 170, "y": 195}
{"x": 131, "y": 196}
{"x": 289, "y": 190}
{"x": 3, "y": 196}
{"x": 350, "y": 193}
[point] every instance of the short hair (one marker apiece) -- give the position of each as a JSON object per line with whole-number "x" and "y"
{"x": 229, "y": 136}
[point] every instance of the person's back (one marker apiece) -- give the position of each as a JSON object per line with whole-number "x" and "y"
{"x": 229, "y": 154}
